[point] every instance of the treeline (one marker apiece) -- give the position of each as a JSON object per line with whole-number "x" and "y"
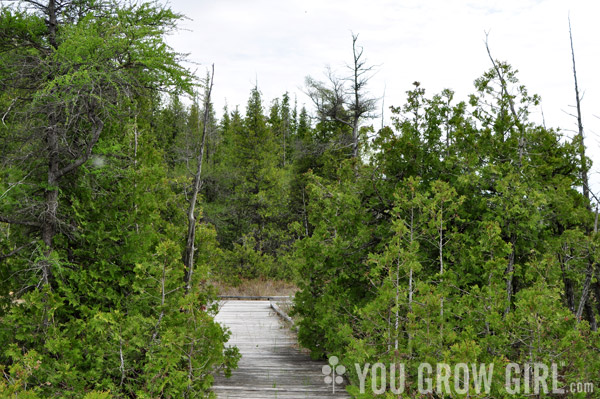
{"x": 459, "y": 233}
{"x": 253, "y": 182}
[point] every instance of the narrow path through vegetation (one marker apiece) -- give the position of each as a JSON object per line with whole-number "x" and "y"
{"x": 272, "y": 366}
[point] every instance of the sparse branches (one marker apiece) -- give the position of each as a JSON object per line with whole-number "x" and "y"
{"x": 580, "y": 137}
{"x": 344, "y": 99}
{"x": 501, "y": 75}
{"x": 592, "y": 264}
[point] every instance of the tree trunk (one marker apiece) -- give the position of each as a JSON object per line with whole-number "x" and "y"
{"x": 188, "y": 258}
{"x": 49, "y": 218}
{"x": 591, "y": 317}
{"x": 509, "y": 277}
{"x": 355, "y": 139}
{"x": 569, "y": 293}
{"x": 52, "y": 23}
{"x": 356, "y": 87}
{"x": 585, "y": 291}
{"x": 583, "y": 160}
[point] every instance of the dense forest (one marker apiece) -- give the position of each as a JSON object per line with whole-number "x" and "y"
{"x": 461, "y": 232}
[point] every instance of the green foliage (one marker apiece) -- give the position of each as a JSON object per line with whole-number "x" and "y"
{"x": 459, "y": 236}
{"x": 97, "y": 213}
{"x": 464, "y": 240}
{"x": 248, "y": 190}
{"x": 118, "y": 316}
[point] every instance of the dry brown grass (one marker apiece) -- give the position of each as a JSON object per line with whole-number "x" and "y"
{"x": 257, "y": 287}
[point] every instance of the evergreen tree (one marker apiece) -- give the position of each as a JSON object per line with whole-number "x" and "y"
{"x": 91, "y": 300}
{"x": 465, "y": 236}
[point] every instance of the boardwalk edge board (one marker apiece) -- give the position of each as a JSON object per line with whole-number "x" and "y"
{"x": 283, "y": 315}
{"x": 256, "y": 298}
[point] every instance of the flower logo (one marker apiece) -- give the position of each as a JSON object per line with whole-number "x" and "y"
{"x": 333, "y": 372}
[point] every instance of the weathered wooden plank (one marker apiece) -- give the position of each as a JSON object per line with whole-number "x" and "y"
{"x": 254, "y": 298}
{"x": 281, "y": 313}
{"x": 272, "y": 364}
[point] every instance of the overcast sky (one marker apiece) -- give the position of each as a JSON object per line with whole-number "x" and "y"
{"x": 439, "y": 43}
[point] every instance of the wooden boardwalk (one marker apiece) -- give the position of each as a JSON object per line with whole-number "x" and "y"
{"x": 271, "y": 366}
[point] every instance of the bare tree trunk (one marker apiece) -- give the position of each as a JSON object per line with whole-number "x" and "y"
{"x": 583, "y": 160}
{"x": 509, "y": 276}
{"x": 585, "y": 291}
{"x": 583, "y": 302}
{"x": 51, "y": 193}
{"x": 355, "y": 139}
{"x": 410, "y": 289}
{"x": 441, "y": 260}
{"x": 441, "y": 257}
{"x": 188, "y": 259}
{"x": 49, "y": 220}
{"x": 51, "y": 201}
{"x": 356, "y": 87}
{"x": 383, "y": 109}
{"x": 122, "y": 360}
{"x": 52, "y": 23}
{"x": 284, "y": 149}
{"x": 305, "y": 213}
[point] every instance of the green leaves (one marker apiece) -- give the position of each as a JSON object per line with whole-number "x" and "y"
{"x": 464, "y": 240}
{"x": 97, "y": 212}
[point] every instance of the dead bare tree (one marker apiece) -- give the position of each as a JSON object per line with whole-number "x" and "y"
{"x": 188, "y": 258}
{"x": 584, "y": 301}
{"x": 580, "y": 137}
{"x": 345, "y": 99}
